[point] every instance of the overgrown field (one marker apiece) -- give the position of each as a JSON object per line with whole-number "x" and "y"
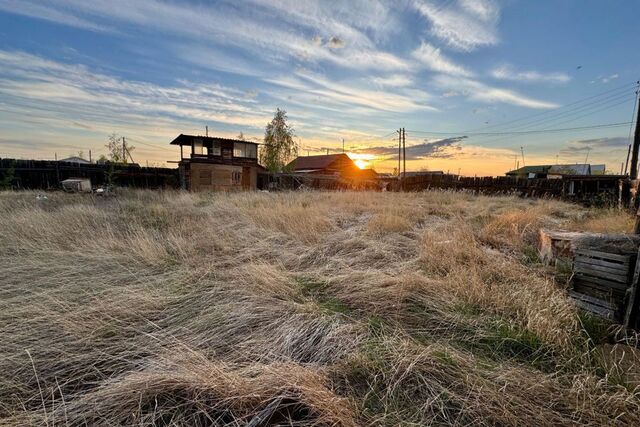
{"x": 309, "y": 308}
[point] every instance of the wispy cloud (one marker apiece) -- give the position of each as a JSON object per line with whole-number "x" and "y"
{"x": 606, "y": 79}
{"x": 429, "y": 149}
{"x": 464, "y": 25}
{"x": 595, "y": 144}
{"x": 70, "y": 90}
{"x": 316, "y": 89}
{"x": 433, "y": 58}
{"x": 481, "y": 92}
{"x": 257, "y": 28}
{"x": 507, "y": 72}
{"x": 394, "y": 80}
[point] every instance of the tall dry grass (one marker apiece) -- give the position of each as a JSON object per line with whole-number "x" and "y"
{"x": 167, "y": 308}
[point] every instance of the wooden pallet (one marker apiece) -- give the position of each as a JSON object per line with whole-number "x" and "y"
{"x": 600, "y": 282}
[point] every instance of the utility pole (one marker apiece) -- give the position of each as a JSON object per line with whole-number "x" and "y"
{"x": 124, "y": 150}
{"x": 343, "y": 145}
{"x": 587, "y": 156}
{"x": 89, "y": 156}
{"x": 633, "y": 173}
{"x": 626, "y": 164}
{"x": 404, "y": 153}
{"x": 206, "y": 131}
{"x": 399, "y": 150}
{"x": 522, "y": 151}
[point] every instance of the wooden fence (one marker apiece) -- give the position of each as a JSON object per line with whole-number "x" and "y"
{"x": 591, "y": 189}
{"x": 47, "y": 174}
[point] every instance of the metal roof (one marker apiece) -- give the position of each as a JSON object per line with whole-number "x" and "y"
{"x": 319, "y": 162}
{"x": 525, "y": 170}
{"x": 577, "y": 169}
{"x": 186, "y": 139}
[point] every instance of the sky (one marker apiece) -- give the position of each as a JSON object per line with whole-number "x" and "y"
{"x": 480, "y": 86}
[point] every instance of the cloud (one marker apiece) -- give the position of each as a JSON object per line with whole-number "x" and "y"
{"x": 506, "y": 72}
{"x": 430, "y": 149}
{"x": 395, "y": 80}
{"x": 433, "y": 58}
{"x": 315, "y": 90}
{"x": 73, "y": 91}
{"x": 335, "y": 43}
{"x": 466, "y": 25}
{"x": 263, "y": 30}
{"x": 481, "y": 92}
{"x": 596, "y": 144}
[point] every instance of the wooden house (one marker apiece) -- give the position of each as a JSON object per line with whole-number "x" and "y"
{"x": 213, "y": 163}
{"x": 339, "y": 165}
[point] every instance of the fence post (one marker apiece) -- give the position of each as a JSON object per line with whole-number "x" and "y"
{"x": 631, "y": 311}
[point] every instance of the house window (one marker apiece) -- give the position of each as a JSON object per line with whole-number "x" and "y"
{"x": 252, "y": 151}
{"x": 241, "y": 149}
{"x": 215, "y": 149}
{"x": 197, "y": 146}
{"x": 204, "y": 178}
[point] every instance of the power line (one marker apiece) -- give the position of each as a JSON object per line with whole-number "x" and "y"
{"x": 603, "y": 125}
{"x": 137, "y": 141}
{"x": 594, "y": 105}
{"x": 592, "y": 97}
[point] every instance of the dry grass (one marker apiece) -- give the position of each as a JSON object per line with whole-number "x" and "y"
{"x": 297, "y": 309}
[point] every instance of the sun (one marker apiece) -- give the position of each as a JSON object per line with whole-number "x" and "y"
{"x": 362, "y": 164}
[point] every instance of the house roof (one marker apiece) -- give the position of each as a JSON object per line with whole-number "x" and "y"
{"x": 318, "y": 162}
{"x": 183, "y": 139}
{"x": 525, "y": 170}
{"x": 577, "y": 169}
{"x": 74, "y": 159}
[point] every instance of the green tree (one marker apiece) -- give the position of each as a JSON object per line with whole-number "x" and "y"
{"x": 8, "y": 176}
{"x": 279, "y": 146}
{"x": 117, "y": 151}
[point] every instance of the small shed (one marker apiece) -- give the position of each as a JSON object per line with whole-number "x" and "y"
{"x": 77, "y": 185}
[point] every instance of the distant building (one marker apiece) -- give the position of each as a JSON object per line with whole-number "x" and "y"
{"x": 75, "y": 159}
{"x": 530, "y": 172}
{"x": 331, "y": 164}
{"x": 557, "y": 171}
{"x": 421, "y": 173}
{"x": 212, "y": 163}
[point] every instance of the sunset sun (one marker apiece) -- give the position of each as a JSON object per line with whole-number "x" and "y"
{"x": 362, "y": 164}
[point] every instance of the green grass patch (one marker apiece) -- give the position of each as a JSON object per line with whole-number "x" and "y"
{"x": 318, "y": 291}
{"x": 595, "y": 328}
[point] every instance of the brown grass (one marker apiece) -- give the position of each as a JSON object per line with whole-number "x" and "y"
{"x": 312, "y": 308}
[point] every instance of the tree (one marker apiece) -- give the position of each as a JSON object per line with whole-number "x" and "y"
{"x": 118, "y": 152}
{"x": 8, "y": 176}
{"x": 240, "y": 136}
{"x": 279, "y": 147}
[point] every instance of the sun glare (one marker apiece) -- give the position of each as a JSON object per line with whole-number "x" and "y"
{"x": 362, "y": 160}
{"x": 362, "y": 164}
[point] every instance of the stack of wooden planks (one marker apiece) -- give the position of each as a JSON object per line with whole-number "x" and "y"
{"x": 600, "y": 282}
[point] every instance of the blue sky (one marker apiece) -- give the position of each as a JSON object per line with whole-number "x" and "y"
{"x": 74, "y": 71}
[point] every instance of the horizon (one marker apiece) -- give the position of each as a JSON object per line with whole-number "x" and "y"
{"x": 471, "y": 81}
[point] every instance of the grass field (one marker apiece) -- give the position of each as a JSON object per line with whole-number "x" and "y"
{"x": 307, "y": 308}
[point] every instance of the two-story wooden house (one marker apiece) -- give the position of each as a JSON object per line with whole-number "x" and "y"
{"x": 212, "y": 163}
